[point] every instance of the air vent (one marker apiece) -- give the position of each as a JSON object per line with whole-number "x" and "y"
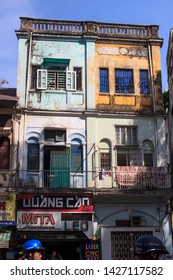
{"x": 137, "y": 221}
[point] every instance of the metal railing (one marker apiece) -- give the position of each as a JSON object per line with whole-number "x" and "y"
{"x": 118, "y": 179}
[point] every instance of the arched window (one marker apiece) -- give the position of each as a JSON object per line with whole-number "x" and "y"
{"x": 105, "y": 155}
{"x": 147, "y": 147}
{"x": 33, "y": 154}
{"x": 76, "y": 156}
{"x": 4, "y": 153}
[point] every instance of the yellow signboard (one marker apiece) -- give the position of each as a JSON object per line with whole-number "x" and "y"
{"x": 7, "y": 209}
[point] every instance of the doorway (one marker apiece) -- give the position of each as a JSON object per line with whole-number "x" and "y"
{"x": 67, "y": 250}
{"x": 57, "y": 167}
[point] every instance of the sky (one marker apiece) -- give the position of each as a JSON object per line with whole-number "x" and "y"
{"x": 157, "y": 12}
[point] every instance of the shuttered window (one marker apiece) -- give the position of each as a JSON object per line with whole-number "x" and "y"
{"x": 41, "y": 79}
{"x": 126, "y": 135}
{"x": 58, "y": 80}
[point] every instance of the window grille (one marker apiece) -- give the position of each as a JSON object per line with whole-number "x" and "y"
{"x": 105, "y": 159}
{"x": 104, "y": 80}
{"x": 124, "y": 81}
{"x": 123, "y": 243}
{"x": 144, "y": 82}
{"x": 56, "y": 79}
{"x": 148, "y": 159}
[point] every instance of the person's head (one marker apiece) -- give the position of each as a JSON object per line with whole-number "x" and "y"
{"x": 20, "y": 255}
{"x": 33, "y": 249}
{"x": 149, "y": 247}
{"x": 55, "y": 255}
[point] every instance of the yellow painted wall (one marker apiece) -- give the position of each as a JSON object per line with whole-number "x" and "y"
{"x": 110, "y": 56}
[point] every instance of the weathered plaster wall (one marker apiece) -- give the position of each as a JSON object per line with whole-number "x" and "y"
{"x": 81, "y": 53}
{"x": 134, "y": 57}
{"x": 148, "y": 129}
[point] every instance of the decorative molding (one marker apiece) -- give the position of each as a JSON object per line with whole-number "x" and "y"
{"x": 133, "y": 51}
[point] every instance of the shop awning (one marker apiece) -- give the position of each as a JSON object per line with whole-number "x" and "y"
{"x": 57, "y": 60}
{"x": 5, "y": 236}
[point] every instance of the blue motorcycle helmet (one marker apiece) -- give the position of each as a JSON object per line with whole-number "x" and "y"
{"x": 32, "y": 245}
{"x": 147, "y": 244}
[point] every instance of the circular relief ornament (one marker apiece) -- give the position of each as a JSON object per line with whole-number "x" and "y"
{"x": 123, "y": 51}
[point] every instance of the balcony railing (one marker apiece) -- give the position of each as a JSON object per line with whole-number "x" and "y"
{"x": 120, "y": 178}
{"x": 91, "y": 28}
{"x": 142, "y": 177}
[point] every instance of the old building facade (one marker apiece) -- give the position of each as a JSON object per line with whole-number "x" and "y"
{"x": 93, "y": 163}
{"x": 169, "y": 117}
{"x": 9, "y": 115}
{"x": 131, "y": 197}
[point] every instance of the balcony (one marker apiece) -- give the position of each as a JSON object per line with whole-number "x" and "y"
{"x": 52, "y": 179}
{"x": 121, "y": 178}
{"x": 141, "y": 177}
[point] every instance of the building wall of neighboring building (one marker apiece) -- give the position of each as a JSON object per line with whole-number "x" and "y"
{"x": 170, "y": 106}
{"x": 22, "y": 71}
{"x": 8, "y": 169}
{"x": 156, "y": 72}
{"x": 169, "y": 120}
{"x": 8, "y": 145}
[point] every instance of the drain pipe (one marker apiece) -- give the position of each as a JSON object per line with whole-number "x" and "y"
{"x": 154, "y": 99}
{"x": 27, "y": 77}
{"x": 152, "y": 79}
{"x": 28, "y": 62}
{"x": 28, "y": 69}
